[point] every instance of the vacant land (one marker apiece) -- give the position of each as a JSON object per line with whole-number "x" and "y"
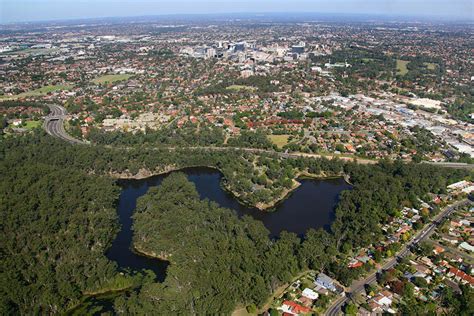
{"x": 279, "y": 140}
{"x": 402, "y": 67}
{"x": 38, "y": 92}
{"x": 111, "y": 78}
{"x": 238, "y": 88}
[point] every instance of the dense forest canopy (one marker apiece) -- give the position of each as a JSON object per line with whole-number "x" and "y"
{"x": 58, "y": 219}
{"x": 55, "y": 227}
{"x": 217, "y": 260}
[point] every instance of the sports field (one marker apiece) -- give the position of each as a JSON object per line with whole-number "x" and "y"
{"x": 38, "y": 92}
{"x": 238, "y": 88}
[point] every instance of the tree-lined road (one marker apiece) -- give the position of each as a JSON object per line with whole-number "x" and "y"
{"x": 54, "y": 126}
{"x": 358, "y": 285}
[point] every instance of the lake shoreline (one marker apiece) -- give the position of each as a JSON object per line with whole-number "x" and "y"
{"x": 264, "y": 207}
{"x": 149, "y": 254}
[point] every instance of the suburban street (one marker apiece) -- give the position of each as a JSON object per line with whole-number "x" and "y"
{"x": 358, "y": 285}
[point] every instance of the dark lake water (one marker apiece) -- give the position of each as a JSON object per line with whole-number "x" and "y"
{"x": 310, "y": 206}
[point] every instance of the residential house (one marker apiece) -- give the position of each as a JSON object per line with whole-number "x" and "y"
{"x": 309, "y": 293}
{"x": 460, "y": 276}
{"x": 326, "y": 282}
{"x": 464, "y": 245}
{"x": 293, "y": 308}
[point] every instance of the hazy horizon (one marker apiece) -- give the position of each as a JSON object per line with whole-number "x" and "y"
{"x": 12, "y": 11}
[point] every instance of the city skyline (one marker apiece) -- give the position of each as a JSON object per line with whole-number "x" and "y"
{"x": 45, "y": 10}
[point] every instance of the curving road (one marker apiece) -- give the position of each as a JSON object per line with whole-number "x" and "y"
{"x": 54, "y": 124}
{"x": 359, "y": 285}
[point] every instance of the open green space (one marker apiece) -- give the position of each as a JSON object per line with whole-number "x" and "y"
{"x": 37, "y": 92}
{"x": 32, "y": 124}
{"x": 402, "y": 67}
{"x": 111, "y": 78}
{"x": 238, "y": 88}
{"x": 430, "y": 66}
{"x": 32, "y": 51}
{"x": 50, "y": 88}
{"x": 279, "y": 140}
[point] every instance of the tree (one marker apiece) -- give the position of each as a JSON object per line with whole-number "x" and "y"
{"x": 202, "y": 265}
{"x": 66, "y": 220}
{"x": 420, "y": 282}
{"x": 350, "y": 309}
{"x": 425, "y": 248}
{"x": 252, "y": 309}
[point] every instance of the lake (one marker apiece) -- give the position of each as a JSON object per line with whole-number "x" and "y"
{"x": 309, "y": 206}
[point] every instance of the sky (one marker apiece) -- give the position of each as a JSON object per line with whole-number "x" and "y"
{"x": 41, "y": 10}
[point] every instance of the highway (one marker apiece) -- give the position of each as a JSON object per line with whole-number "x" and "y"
{"x": 358, "y": 285}
{"x": 284, "y": 154}
{"x": 54, "y": 124}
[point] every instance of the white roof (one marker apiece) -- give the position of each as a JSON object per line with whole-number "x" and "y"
{"x": 466, "y": 246}
{"x": 309, "y": 293}
{"x": 469, "y": 189}
{"x": 460, "y": 184}
{"x": 384, "y": 301}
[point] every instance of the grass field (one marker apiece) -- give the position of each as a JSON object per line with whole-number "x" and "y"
{"x": 279, "y": 140}
{"x": 238, "y": 88}
{"x": 402, "y": 67}
{"x": 32, "y": 124}
{"x": 430, "y": 66}
{"x": 38, "y": 92}
{"x": 33, "y": 51}
{"x": 111, "y": 78}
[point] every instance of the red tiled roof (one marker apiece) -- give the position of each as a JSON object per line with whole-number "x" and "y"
{"x": 296, "y": 308}
{"x": 356, "y": 264}
{"x": 462, "y": 275}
